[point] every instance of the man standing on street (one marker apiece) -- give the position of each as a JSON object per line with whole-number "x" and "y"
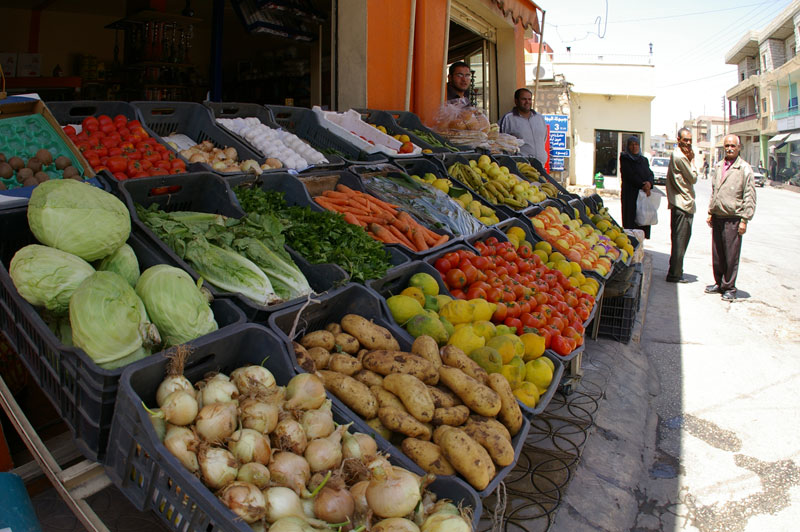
{"x": 526, "y": 124}
{"x": 681, "y": 177}
{"x": 458, "y": 80}
{"x": 732, "y": 205}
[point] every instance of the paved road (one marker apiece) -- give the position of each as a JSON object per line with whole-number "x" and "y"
{"x": 700, "y": 427}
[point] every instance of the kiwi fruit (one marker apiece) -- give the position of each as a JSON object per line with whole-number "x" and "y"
{"x": 23, "y": 174}
{"x": 6, "y": 172}
{"x": 63, "y": 162}
{"x": 70, "y": 171}
{"x": 45, "y": 156}
{"x": 16, "y": 163}
{"x": 30, "y": 182}
{"x": 41, "y": 177}
{"x": 34, "y": 164}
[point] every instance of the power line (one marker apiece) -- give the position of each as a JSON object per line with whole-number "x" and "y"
{"x": 664, "y": 17}
{"x": 697, "y": 79}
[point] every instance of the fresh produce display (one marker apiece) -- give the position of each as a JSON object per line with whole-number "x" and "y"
{"x": 382, "y": 221}
{"x": 16, "y": 172}
{"x": 446, "y": 428}
{"x": 245, "y": 256}
{"x": 274, "y": 143}
{"x": 430, "y": 204}
{"x": 122, "y": 147}
{"x": 320, "y": 237}
{"x": 275, "y": 457}
{"x": 407, "y": 146}
{"x": 496, "y": 183}
{"x": 485, "y": 214}
{"x": 432, "y": 140}
{"x": 221, "y": 159}
{"x": 532, "y": 174}
{"x": 584, "y": 244}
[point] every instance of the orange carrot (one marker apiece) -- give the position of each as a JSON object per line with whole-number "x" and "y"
{"x": 403, "y": 239}
{"x": 382, "y": 234}
{"x": 370, "y": 219}
{"x": 442, "y": 240}
{"x": 349, "y": 218}
{"x": 419, "y": 240}
{"x": 334, "y": 194}
{"x": 401, "y": 224}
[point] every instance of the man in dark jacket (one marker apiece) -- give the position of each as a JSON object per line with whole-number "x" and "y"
{"x": 636, "y": 175}
{"x": 459, "y": 77}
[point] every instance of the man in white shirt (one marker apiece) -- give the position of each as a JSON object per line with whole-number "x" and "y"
{"x": 526, "y": 124}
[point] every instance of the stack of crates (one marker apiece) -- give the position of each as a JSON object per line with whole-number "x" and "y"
{"x": 618, "y": 314}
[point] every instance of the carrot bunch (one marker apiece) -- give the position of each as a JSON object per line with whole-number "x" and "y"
{"x": 382, "y": 221}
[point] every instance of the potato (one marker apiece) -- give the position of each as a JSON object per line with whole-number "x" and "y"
{"x": 376, "y": 425}
{"x": 499, "y": 448}
{"x": 510, "y": 414}
{"x": 354, "y": 394}
{"x": 426, "y": 347}
{"x": 320, "y": 356}
{"x": 443, "y": 398}
{"x": 479, "y": 398}
{"x": 492, "y": 423}
{"x": 304, "y": 360}
{"x": 454, "y": 416}
{"x": 387, "y": 362}
{"x": 468, "y": 457}
{"x": 360, "y": 354}
{"x": 455, "y": 358}
{"x": 334, "y": 328}
{"x": 413, "y": 393}
{"x": 428, "y": 456}
{"x": 344, "y": 363}
{"x": 404, "y": 423}
{"x": 439, "y": 432}
{"x": 346, "y": 343}
{"x": 387, "y": 399}
{"x": 368, "y": 334}
{"x": 324, "y": 339}
{"x": 370, "y": 378}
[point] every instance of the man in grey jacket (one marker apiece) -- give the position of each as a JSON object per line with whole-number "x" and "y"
{"x": 526, "y": 124}
{"x": 681, "y": 177}
{"x": 732, "y": 205}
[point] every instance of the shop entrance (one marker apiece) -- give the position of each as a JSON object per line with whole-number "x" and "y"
{"x": 608, "y": 144}
{"x": 472, "y": 40}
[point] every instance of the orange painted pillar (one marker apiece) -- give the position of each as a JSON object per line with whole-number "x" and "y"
{"x": 429, "y": 64}
{"x": 388, "y": 31}
{"x": 519, "y": 54}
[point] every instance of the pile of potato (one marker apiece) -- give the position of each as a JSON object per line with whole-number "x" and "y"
{"x": 450, "y": 414}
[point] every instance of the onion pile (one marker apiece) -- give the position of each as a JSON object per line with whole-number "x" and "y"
{"x": 275, "y": 457}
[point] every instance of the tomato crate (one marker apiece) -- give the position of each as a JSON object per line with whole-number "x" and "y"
{"x": 81, "y": 392}
{"x": 210, "y": 193}
{"x": 152, "y": 478}
{"x": 305, "y": 124}
{"x": 363, "y": 301}
{"x": 618, "y": 315}
{"x": 247, "y": 110}
{"x": 385, "y": 119}
{"x": 196, "y": 122}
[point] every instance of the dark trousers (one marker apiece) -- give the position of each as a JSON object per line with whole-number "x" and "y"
{"x": 681, "y": 231}
{"x": 726, "y": 245}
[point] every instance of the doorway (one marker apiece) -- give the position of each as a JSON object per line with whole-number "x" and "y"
{"x": 479, "y": 53}
{"x": 608, "y": 145}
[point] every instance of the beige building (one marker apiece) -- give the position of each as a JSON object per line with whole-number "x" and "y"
{"x": 707, "y": 134}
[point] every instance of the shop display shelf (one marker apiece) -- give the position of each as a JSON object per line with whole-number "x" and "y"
{"x": 349, "y": 126}
{"x": 211, "y": 193}
{"x": 306, "y": 124}
{"x": 578, "y": 204}
{"x": 81, "y": 392}
{"x": 383, "y": 118}
{"x": 410, "y": 121}
{"x": 357, "y": 299}
{"x": 196, "y": 122}
{"x": 247, "y": 110}
{"x": 152, "y": 478}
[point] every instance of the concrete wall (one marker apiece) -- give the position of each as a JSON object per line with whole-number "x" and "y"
{"x": 774, "y": 52}
{"x": 351, "y": 52}
{"x": 605, "y": 78}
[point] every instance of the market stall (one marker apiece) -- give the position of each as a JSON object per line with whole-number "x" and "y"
{"x": 244, "y": 345}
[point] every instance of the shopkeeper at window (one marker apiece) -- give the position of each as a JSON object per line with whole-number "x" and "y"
{"x": 526, "y": 124}
{"x": 458, "y": 80}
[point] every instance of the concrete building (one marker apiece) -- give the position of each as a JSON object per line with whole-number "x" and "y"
{"x": 707, "y": 135}
{"x": 662, "y": 145}
{"x": 763, "y": 105}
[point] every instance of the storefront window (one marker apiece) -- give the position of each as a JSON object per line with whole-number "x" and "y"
{"x": 607, "y": 146}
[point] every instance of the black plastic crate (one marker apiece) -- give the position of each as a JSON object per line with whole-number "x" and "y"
{"x": 618, "y": 315}
{"x": 210, "y": 193}
{"x": 410, "y": 121}
{"x": 357, "y": 299}
{"x": 152, "y": 478}
{"x": 383, "y": 118}
{"x": 246, "y": 110}
{"x": 306, "y": 125}
{"x": 196, "y": 122}
{"x": 81, "y": 392}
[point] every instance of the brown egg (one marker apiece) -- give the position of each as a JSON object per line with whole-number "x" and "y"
{"x": 34, "y": 164}
{"x": 6, "y": 171}
{"x": 30, "y": 182}
{"x": 62, "y": 162}
{"x": 41, "y": 177}
{"x": 16, "y": 163}
{"x": 23, "y": 174}
{"x": 70, "y": 171}
{"x": 45, "y": 156}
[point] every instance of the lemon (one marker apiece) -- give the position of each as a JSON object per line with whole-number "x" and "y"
{"x": 514, "y": 240}
{"x": 513, "y": 375}
{"x": 487, "y": 358}
{"x": 556, "y": 256}
{"x": 528, "y": 394}
{"x": 425, "y": 282}
{"x": 518, "y": 231}
{"x": 448, "y": 327}
{"x": 484, "y": 328}
{"x": 534, "y": 346}
{"x": 576, "y": 268}
{"x": 403, "y": 308}
{"x": 564, "y": 267}
{"x": 549, "y": 363}
{"x": 466, "y": 339}
{"x": 424, "y": 324}
{"x": 544, "y": 246}
{"x": 542, "y": 254}
{"x": 458, "y": 311}
{"x": 431, "y": 303}
{"x": 482, "y": 309}
{"x": 416, "y": 293}
{"x": 442, "y": 184}
{"x": 539, "y": 373}
{"x": 508, "y": 346}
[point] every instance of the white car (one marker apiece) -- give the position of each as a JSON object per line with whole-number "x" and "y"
{"x": 659, "y": 167}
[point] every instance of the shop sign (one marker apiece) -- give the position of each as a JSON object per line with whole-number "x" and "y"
{"x": 559, "y": 153}
{"x": 558, "y": 141}
{"x": 557, "y": 123}
{"x": 556, "y": 164}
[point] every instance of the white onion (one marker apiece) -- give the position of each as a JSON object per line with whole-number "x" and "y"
{"x": 359, "y": 493}
{"x": 217, "y": 466}
{"x": 249, "y": 445}
{"x": 258, "y": 415}
{"x": 334, "y": 505}
{"x": 358, "y": 445}
{"x": 254, "y": 473}
{"x": 318, "y": 423}
{"x": 393, "y": 491}
{"x": 253, "y": 380}
{"x": 291, "y": 524}
{"x": 282, "y": 502}
{"x": 170, "y": 384}
{"x": 289, "y": 436}
{"x": 216, "y": 422}
{"x": 305, "y": 392}
{"x": 325, "y": 453}
{"x": 289, "y": 471}
{"x": 245, "y": 500}
{"x": 395, "y": 524}
{"x": 216, "y": 390}
{"x": 180, "y": 407}
{"x": 182, "y": 442}
{"x": 445, "y": 522}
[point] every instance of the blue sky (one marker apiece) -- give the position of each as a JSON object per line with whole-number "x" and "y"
{"x": 690, "y": 40}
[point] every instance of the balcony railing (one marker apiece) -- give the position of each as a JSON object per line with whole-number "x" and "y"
{"x": 742, "y": 118}
{"x": 791, "y": 111}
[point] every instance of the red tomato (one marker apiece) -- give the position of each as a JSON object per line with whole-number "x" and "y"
{"x": 491, "y": 241}
{"x": 563, "y": 345}
{"x": 539, "y": 319}
{"x": 583, "y": 312}
{"x": 524, "y": 252}
{"x": 493, "y": 295}
{"x": 515, "y": 323}
{"x": 500, "y": 313}
{"x": 524, "y": 305}
{"x": 453, "y": 258}
{"x": 476, "y": 293}
{"x": 513, "y": 309}
{"x": 120, "y": 119}
{"x": 104, "y": 119}
{"x": 457, "y": 293}
{"x": 70, "y": 131}
{"x": 121, "y": 176}
{"x": 527, "y": 320}
{"x": 455, "y": 278}
{"x": 90, "y": 123}
{"x": 117, "y": 163}
{"x": 443, "y": 265}
{"x": 470, "y": 271}
{"x": 482, "y": 263}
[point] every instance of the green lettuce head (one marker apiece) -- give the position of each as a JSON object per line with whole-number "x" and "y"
{"x": 78, "y": 218}
{"x": 47, "y": 277}
{"x": 124, "y": 262}
{"x": 175, "y": 303}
